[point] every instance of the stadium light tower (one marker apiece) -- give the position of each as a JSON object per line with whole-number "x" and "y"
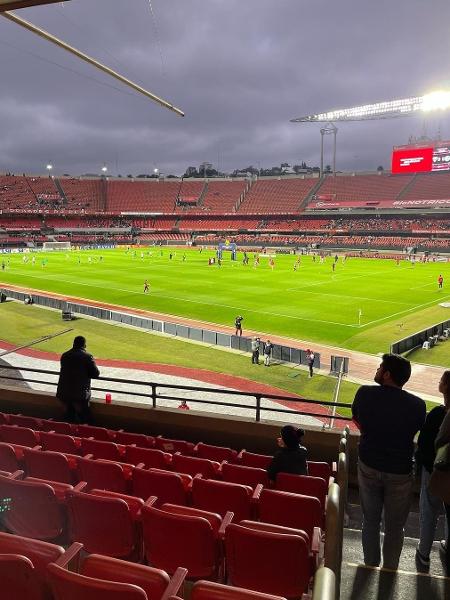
{"x": 104, "y": 169}
{"x": 49, "y": 167}
{"x": 405, "y": 107}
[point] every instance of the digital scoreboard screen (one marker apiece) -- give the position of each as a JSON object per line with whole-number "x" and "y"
{"x": 421, "y": 159}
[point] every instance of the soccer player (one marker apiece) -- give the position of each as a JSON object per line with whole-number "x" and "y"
{"x": 271, "y": 263}
{"x": 440, "y": 282}
{"x": 146, "y": 287}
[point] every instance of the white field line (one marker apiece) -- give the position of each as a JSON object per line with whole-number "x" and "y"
{"x": 403, "y": 312}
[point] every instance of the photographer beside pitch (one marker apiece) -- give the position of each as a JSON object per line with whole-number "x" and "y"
{"x": 388, "y": 418}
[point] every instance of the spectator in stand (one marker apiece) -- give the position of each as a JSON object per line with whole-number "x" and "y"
{"x": 74, "y": 385}
{"x": 443, "y": 437}
{"x": 291, "y": 458}
{"x": 430, "y": 506}
{"x": 184, "y": 405}
{"x": 389, "y": 419}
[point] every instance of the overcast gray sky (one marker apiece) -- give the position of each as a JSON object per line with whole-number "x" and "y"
{"x": 240, "y": 69}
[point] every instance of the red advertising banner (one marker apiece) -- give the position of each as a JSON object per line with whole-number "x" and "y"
{"x": 412, "y": 160}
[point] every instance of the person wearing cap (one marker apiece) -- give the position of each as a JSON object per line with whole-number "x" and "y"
{"x": 291, "y": 457}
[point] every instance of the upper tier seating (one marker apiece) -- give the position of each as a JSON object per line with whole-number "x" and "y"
{"x": 363, "y": 188}
{"x": 144, "y": 196}
{"x": 222, "y": 196}
{"x": 273, "y": 196}
{"x": 83, "y": 194}
{"x": 428, "y": 186}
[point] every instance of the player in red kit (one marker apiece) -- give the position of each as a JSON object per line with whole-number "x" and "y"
{"x": 440, "y": 282}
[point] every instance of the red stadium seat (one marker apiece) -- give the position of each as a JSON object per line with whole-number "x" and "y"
{"x": 102, "y": 474}
{"x": 58, "y": 427}
{"x": 303, "y": 484}
{"x": 8, "y": 458}
{"x": 58, "y": 442}
{"x": 12, "y": 434}
{"x": 149, "y": 457}
{"x": 100, "y": 449}
{"x": 22, "y": 421}
{"x": 192, "y": 465}
{"x": 98, "y": 433}
{"x": 249, "y": 459}
{"x": 53, "y": 466}
{"x": 268, "y": 561}
{"x": 139, "y": 439}
{"x": 179, "y": 535}
{"x": 165, "y": 485}
{"x": 217, "y": 453}
{"x": 221, "y": 497}
{"x": 320, "y": 469}
{"x": 251, "y": 476}
{"x": 172, "y": 446}
{"x": 4, "y": 418}
{"x": 106, "y": 523}
{"x": 23, "y": 567}
{"x": 209, "y": 590}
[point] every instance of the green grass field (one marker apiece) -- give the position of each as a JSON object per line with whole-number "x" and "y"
{"x": 313, "y": 303}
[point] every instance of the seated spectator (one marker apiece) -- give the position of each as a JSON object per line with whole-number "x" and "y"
{"x": 291, "y": 458}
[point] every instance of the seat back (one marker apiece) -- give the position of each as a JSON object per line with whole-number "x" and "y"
{"x": 193, "y": 465}
{"x": 58, "y": 442}
{"x": 303, "y": 484}
{"x": 290, "y": 510}
{"x": 11, "y": 434}
{"x": 151, "y": 457}
{"x": 72, "y": 586}
{"x": 102, "y": 525}
{"x": 141, "y": 440}
{"x": 209, "y": 590}
{"x": 100, "y": 449}
{"x": 154, "y": 582}
{"x": 221, "y": 497}
{"x": 250, "y": 459}
{"x": 8, "y": 459}
{"x": 172, "y": 446}
{"x": 98, "y": 433}
{"x": 251, "y": 476}
{"x": 35, "y": 512}
{"x": 23, "y": 421}
{"x": 173, "y": 540}
{"x": 23, "y": 567}
{"x": 166, "y": 486}
{"x": 267, "y": 562}
{"x": 319, "y": 469}
{"x": 53, "y": 466}
{"x": 102, "y": 475}
{"x": 58, "y": 427}
{"x": 217, "y": 453}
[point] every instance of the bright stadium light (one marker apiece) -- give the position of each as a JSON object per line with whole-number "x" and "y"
{"x": 104, "y": 169}
{"x": 439, "y": 100}
{"x": 49, "y": 166}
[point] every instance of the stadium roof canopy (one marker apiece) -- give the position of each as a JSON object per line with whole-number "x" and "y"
{"x": 14, "y": 4}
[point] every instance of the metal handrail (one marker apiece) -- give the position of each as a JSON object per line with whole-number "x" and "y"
{"x": 154, "y": 395}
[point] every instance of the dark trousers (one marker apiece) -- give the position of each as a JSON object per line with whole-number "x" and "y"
{"x": 77, "y": 412}
{"x": 255, "y": 357}
{"x": 447, "y": 554}
{"x": 310, "y": 367}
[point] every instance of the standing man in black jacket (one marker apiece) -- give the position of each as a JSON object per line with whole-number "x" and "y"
{"x": 74, "y": 386}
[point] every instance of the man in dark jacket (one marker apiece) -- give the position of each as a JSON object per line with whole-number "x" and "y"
{"x": 291, "y": 458}
{"x": 74, "y": 385}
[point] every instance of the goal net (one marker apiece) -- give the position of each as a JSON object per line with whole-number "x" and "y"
{"x": 56, "y": 246}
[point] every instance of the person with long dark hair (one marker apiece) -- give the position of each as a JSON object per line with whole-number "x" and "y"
{"x": 291, "y": 457}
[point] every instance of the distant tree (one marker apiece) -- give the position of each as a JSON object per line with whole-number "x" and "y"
{"x": 285, "y": 165}
{"x": 130, "y": 176}
{"x": 328, "y": 169}
{"x": 380, "y": 169}
{"x": 171, "y": 176}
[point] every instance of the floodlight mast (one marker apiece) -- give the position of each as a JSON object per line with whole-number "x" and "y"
{"x": 15, "y": 4}
{"x": 392, "y": 109}
{"x": 54, "y": 40}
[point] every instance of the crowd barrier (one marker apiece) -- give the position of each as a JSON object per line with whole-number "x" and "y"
{"x": 417, "y": 339}
{"x": 207, "y": 336}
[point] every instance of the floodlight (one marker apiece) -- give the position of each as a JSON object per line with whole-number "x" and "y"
{"x": 439, "y": 100}
{"x": 14, "y": 4}
{"x": 49, "y": 166}
{"x": 104, "y": 168}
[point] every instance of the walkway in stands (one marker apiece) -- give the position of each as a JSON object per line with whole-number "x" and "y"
{"x": 424, "y": 379}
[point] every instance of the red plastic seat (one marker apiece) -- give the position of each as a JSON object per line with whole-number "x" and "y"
{"x": 102, "y": 474}
{"x": 58, "y": 427}
{"x": 209, "y": 590}
{"x": 251, "y": 476}
{"x": 23, "y": 421}
{"x": 139, "y": 439}
{"x": 106, "y": 523}
{"x": 172, "y": 446}
{"x": 179, "y": 535}
{"x": 303, "y": 484}
{"x": 11, "y": 434}
{"x": 149, "y": 457}
{"x": 105, "y": 578}
{"x": 58, "y": 442}
{"x": 99, "y": 449}
{"x": 4, "y": 418}
{"x": 291, "y": 510}
{"x": 98, "y": 433}
{"x": 268, "y": 561}
{"x": 165, "y": 485}
{"x": 221, "y": 497}
{"x": 250, "y": 459}
{"x": 53, "y": 466}
{"x": 217, "y": 453}
{"x": 23, "y": 567}
{"x": 36, "y": 512}
{"x": 320, "y": 469}
{"x": 8, "y": 458}
{"x": 192, "y": 465}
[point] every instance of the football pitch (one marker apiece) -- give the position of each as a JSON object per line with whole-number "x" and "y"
{"x": 364, "y": 304}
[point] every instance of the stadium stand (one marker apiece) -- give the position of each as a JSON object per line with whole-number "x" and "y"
{"x": 276, "y": 196}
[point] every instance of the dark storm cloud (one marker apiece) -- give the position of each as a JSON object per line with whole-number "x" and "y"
{"x": 239, "y": 69}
